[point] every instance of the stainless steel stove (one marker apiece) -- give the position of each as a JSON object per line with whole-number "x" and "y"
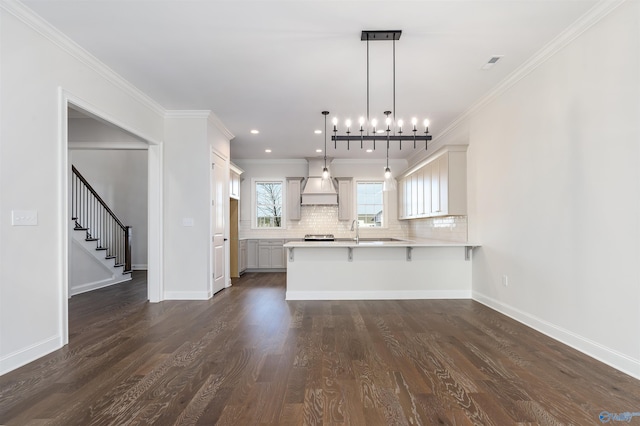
{"x": 319, "y": 237}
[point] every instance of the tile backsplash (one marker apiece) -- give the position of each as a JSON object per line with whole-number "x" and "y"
{"x": 323, "y": 220}
{"x": 450, "y": 228}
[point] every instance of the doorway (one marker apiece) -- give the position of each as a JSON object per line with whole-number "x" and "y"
{"x": 154, "y": 203}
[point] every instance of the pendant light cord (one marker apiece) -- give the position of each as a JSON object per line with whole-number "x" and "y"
{"x": 368, "y": 119}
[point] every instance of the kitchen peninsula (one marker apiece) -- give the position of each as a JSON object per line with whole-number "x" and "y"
{"x": 369, "y": 270}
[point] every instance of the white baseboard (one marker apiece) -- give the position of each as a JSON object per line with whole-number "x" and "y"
{"x": 186, "y": 295}
{"x": 83, "y": 288}
{"x": 615, "y": 359}
{"x": 378, "y": 295}
{"x": 26, "y": 355}
{"x": 139, "y": 267}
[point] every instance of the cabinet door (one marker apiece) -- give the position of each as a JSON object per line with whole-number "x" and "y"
{"x": 234, "y": 185}
{"x": 345, "y": 199}
{"x": 252, "y": 254}
{"x": 435, "y": 187}
{"x": 440, "y": 186}
{"x": 293, "y": 198}
{"x": 407, "y": 197}
{"x": 420, "y": 193}
{"x": 277, "y": 257}
{"x": 264, "y": 256}
{"x": 401, "y": 210}
{"x": 243, "y": 255}
{"x": 414, "y": 195}
{"x": 426, "y": 188}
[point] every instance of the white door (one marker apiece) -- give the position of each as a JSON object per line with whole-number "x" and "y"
{"x": 218, "y": 183}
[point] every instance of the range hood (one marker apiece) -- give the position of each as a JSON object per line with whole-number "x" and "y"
{"x": 318, "y": 191}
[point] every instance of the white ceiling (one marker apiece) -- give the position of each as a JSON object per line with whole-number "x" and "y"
{"x": 275, "y": 65}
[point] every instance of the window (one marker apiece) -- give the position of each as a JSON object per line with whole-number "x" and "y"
{"x": 268, "y": 204}
{"x": 369, "y": 204}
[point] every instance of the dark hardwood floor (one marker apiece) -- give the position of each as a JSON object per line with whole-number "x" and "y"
{"x": 249, "y": 357}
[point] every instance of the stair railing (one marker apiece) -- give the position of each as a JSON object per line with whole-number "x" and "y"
{"x": 91, "y": 213}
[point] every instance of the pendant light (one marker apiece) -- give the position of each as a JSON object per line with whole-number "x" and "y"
{"x": 325, "y": 171}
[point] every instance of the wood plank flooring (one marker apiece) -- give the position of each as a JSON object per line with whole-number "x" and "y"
{"x": 249, "y": 357}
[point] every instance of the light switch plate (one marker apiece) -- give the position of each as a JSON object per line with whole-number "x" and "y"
{"x": 187, "y": 221}
{"x": 24, "y": 217}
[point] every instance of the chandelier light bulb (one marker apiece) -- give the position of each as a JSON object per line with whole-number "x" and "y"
{"x": 361, "y": 121}
{"x": 426, "y": 123}
{"x": 374, "y": 123}
{"x": 414, "y": 121}
{"x": 388, "y": 121}
{"x": 400, "y": 123}
{"x": 348, "y": 123}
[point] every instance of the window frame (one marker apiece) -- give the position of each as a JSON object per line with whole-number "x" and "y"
{"x": 385, "y": 207}
{"x": 254, "y": 203}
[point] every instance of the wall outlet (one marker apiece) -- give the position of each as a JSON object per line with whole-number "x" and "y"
{"x": 505, "y": 281}
{"x": 24, "y": 217}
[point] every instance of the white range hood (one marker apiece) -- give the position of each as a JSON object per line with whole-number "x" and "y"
{"x": 318, "y": 191}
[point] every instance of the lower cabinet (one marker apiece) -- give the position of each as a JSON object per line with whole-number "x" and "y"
{"x": 252, "y": 254}
{"x": 265, "y": 254}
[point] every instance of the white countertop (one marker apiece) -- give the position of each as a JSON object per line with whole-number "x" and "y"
{"x": 369, "y": 242}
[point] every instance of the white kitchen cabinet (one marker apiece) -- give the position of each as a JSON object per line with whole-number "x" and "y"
{"x": 438, "y": 188}
{"x": 252, "y": 254}
{"x": 234, "y": 185}
{"x": 243, "y": 253}
{"x": 345, "y": 199}
{"x": 294, "y": 187}
{"x": 271, "y": 254}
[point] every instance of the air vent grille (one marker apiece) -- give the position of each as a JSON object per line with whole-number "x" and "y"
{"x": 491, "y": 62}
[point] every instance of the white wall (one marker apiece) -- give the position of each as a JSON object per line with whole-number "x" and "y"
{"x": 318, "y": 219}
{"x": 120, "y": 178}
{"x": 554, "y": 190}
{"x": 189, "y": 138}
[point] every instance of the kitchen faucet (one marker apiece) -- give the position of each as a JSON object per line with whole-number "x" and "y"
{"x": 356, "y": 224}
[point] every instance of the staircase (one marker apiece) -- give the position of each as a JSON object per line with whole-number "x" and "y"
{"x": 100, "y": 242}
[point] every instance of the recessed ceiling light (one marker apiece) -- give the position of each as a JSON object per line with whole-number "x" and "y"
{"x": 255, "y": 132}
{"x": 380, "y": 131}
{"x": 369, "y": 150}
{"x": 267, "y": 151}
{"x": 318, "y": 150}
{"x": 317, "y": 132}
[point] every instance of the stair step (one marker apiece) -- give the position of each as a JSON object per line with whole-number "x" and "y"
{"x": 110, "y": 257}
{"x": 126, "y": 273}
{"x": 91, "y": 239}
{"x": 102, "y": 248}
{"x": 80, "y": 229}
{"x": 118, "y": 265}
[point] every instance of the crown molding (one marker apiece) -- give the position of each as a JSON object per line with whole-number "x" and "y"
{"x": 215, "y": 120}
{"x": 37, "y": 23}
{"x": 186, "y": 113}
{"x": 269, "y": 161}
{"x": 582, "y": 24}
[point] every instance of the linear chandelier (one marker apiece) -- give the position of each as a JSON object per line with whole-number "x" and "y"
{"x": 393, "y": 129}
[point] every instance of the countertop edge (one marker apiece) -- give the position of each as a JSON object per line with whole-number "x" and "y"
{"x": 381, "y": 244}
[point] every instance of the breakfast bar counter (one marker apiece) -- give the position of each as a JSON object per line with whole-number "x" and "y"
{"x": 378, "y": 269}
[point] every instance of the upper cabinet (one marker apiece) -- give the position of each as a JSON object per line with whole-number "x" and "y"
{"x": 345, "y": 198}
{"x": 234, "y": 181}
{"x": 437, "y": 188}
{"x": 294, "y": 186}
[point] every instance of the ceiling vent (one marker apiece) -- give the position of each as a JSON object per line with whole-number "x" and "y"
{"x": 491, "y": 62}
